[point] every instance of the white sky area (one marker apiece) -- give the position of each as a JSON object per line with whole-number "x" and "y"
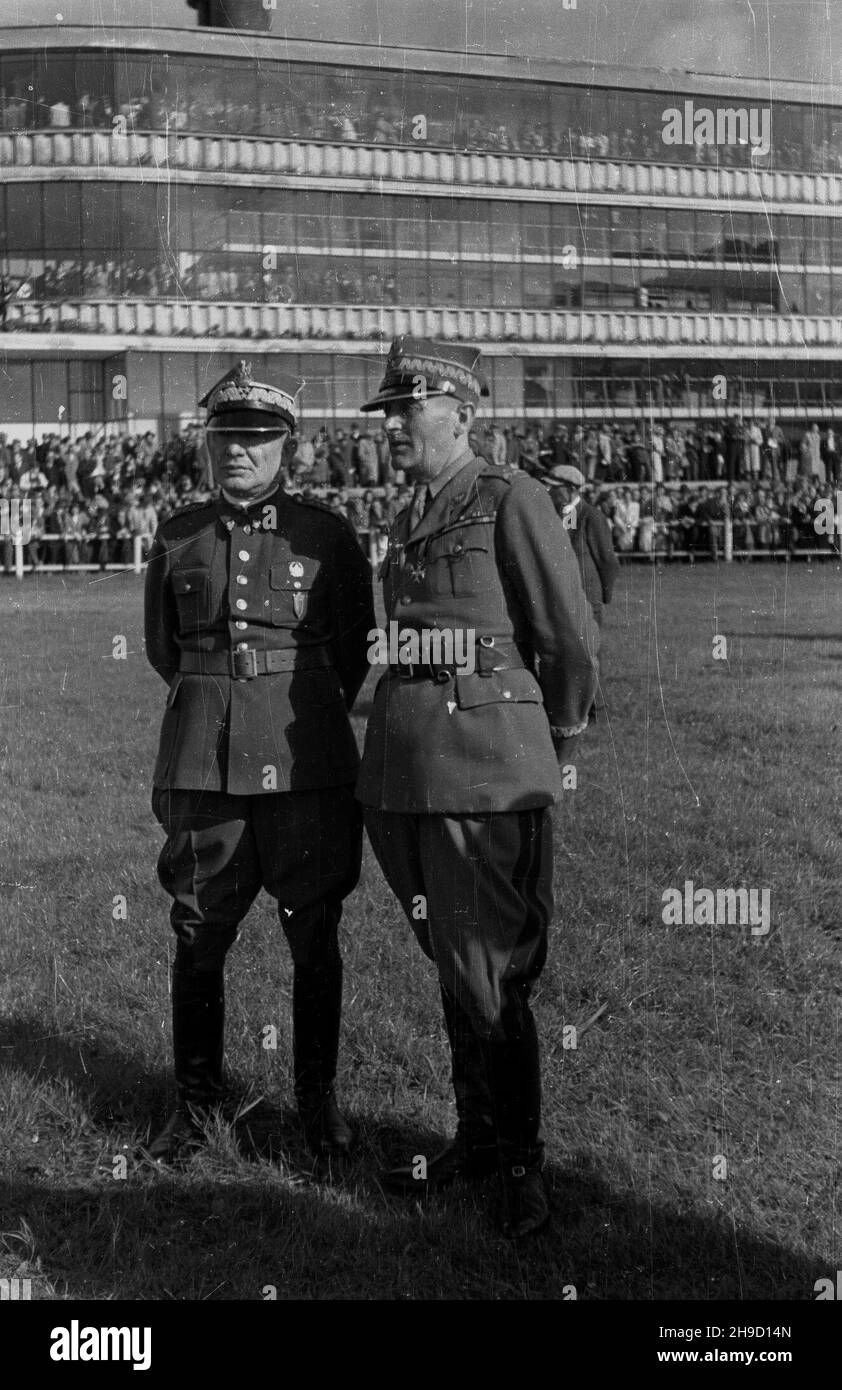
{"x": 799, "y": 39}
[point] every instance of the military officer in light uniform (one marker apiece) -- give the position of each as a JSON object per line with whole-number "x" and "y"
{"x": 257, "y": 609}
{"x": 459, "y": 770}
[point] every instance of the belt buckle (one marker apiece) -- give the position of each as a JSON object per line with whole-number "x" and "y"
{"x": 244, "y": 664}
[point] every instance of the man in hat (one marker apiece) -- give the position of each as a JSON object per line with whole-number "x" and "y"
{"x": 460, "y": 768}
{"x": 589, "y": 533}
{"x": 257, "y": 609}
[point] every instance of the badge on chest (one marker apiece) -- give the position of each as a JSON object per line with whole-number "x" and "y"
{"x": 299, "y": 600}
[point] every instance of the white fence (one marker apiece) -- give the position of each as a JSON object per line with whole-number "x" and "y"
{"x": 18, "y": 543}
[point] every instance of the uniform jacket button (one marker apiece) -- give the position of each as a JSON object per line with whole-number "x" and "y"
{"x": 406, "y": 599}
{"x": 244, "y": 555}
{"x": 457, "y": 549}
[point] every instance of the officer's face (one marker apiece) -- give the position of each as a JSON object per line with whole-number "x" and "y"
{"x": 245, "y": 462}
{"x": 425, "y": 436}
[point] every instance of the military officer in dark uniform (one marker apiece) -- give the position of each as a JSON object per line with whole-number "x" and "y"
{"x": 460, "y": 764}
{"x": 257, "y": 610}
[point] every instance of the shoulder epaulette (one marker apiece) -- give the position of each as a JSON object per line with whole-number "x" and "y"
{"x": 314, "y": 502}
{"x": 500, "y": 475}
{"x": 188, "y": 510}
{"x": 325, "y": 507}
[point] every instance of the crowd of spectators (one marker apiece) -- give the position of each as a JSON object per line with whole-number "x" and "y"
{"x": 734, "y": 449}
{"x": 380, "y": 119}
{"x": 209, "y": 276}
{"x": 666, "y": 489}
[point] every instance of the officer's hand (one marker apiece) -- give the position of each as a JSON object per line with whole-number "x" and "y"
{"x": 565, "y": 740}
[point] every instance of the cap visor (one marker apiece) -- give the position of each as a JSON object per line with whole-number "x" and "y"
{"x": 381, "y": 400}
{"x": 249, "y": 420}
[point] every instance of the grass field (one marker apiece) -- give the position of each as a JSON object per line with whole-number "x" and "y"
{"x": 710, "y": 1041}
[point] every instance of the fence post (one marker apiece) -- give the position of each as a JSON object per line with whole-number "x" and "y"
{"x": 137, "y": 545}
{"x": 729, "y": 537}
{"x": 17, "y": 541}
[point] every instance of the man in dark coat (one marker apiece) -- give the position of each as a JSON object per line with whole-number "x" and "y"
{"x": 590, "y": 536}
{"x": 258, "y": 606}
{"x": 460, "y": 765}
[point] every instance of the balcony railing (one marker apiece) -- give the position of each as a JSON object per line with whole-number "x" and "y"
{"x": 706, "y": 334}
{"x": 194, "y": 154}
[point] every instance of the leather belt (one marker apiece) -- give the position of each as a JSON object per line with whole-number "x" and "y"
{"x": 244, "y": 665}
{"x": 434, "y": 671}
{"x": 488, "y": 659}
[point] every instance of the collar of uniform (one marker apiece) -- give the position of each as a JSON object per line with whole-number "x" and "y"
{"x": 237, "y": 513}
{"x": 453, "y": 486}
{"x": 444, "y": 477}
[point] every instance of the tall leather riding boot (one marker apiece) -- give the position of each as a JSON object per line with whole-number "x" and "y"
{"x": 513, "y": 1071}
{"x": 198, "y": 1026}
{"x": 514, "y": 1078}
{"x": 198, "y": 1015}
{"x": 470, "y": 1084}
{"x": 316, "y": 1013}
{"x": 472, "y": 1155}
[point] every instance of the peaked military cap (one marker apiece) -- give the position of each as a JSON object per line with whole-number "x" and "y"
{"x": 238, "y": 391}
{"x": 445, "y": 369}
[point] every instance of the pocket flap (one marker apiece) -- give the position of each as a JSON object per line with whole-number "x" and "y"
{"x": 189, "y": 581}
{"x": 280, "y": 578}
{"x": 499, "y": 688}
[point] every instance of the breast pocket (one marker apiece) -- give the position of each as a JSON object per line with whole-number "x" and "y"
{"x": 289, "y": 598}
{"x": 471, "y": 562}
{"x": 191, "y": 588}
{"x": 429, "y": 568}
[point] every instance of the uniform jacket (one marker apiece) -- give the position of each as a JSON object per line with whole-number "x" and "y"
{"x": 287, "y": 575}
{"x": 489, "y": 554}
{"x": 591, "y": 539}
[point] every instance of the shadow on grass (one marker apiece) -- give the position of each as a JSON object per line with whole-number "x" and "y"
{"x": 193, "y": 1236}
{"x": 253, "y": 1213}
{"x": 112, "y": 1084}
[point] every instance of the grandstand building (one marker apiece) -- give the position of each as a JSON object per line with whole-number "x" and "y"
{"x": 621, "y": 243}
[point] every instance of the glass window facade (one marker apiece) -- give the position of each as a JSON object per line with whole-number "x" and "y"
{"x": 164, "y": 388}
{"x": 236, "y": 96}
{"x": 152, "y": 240}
